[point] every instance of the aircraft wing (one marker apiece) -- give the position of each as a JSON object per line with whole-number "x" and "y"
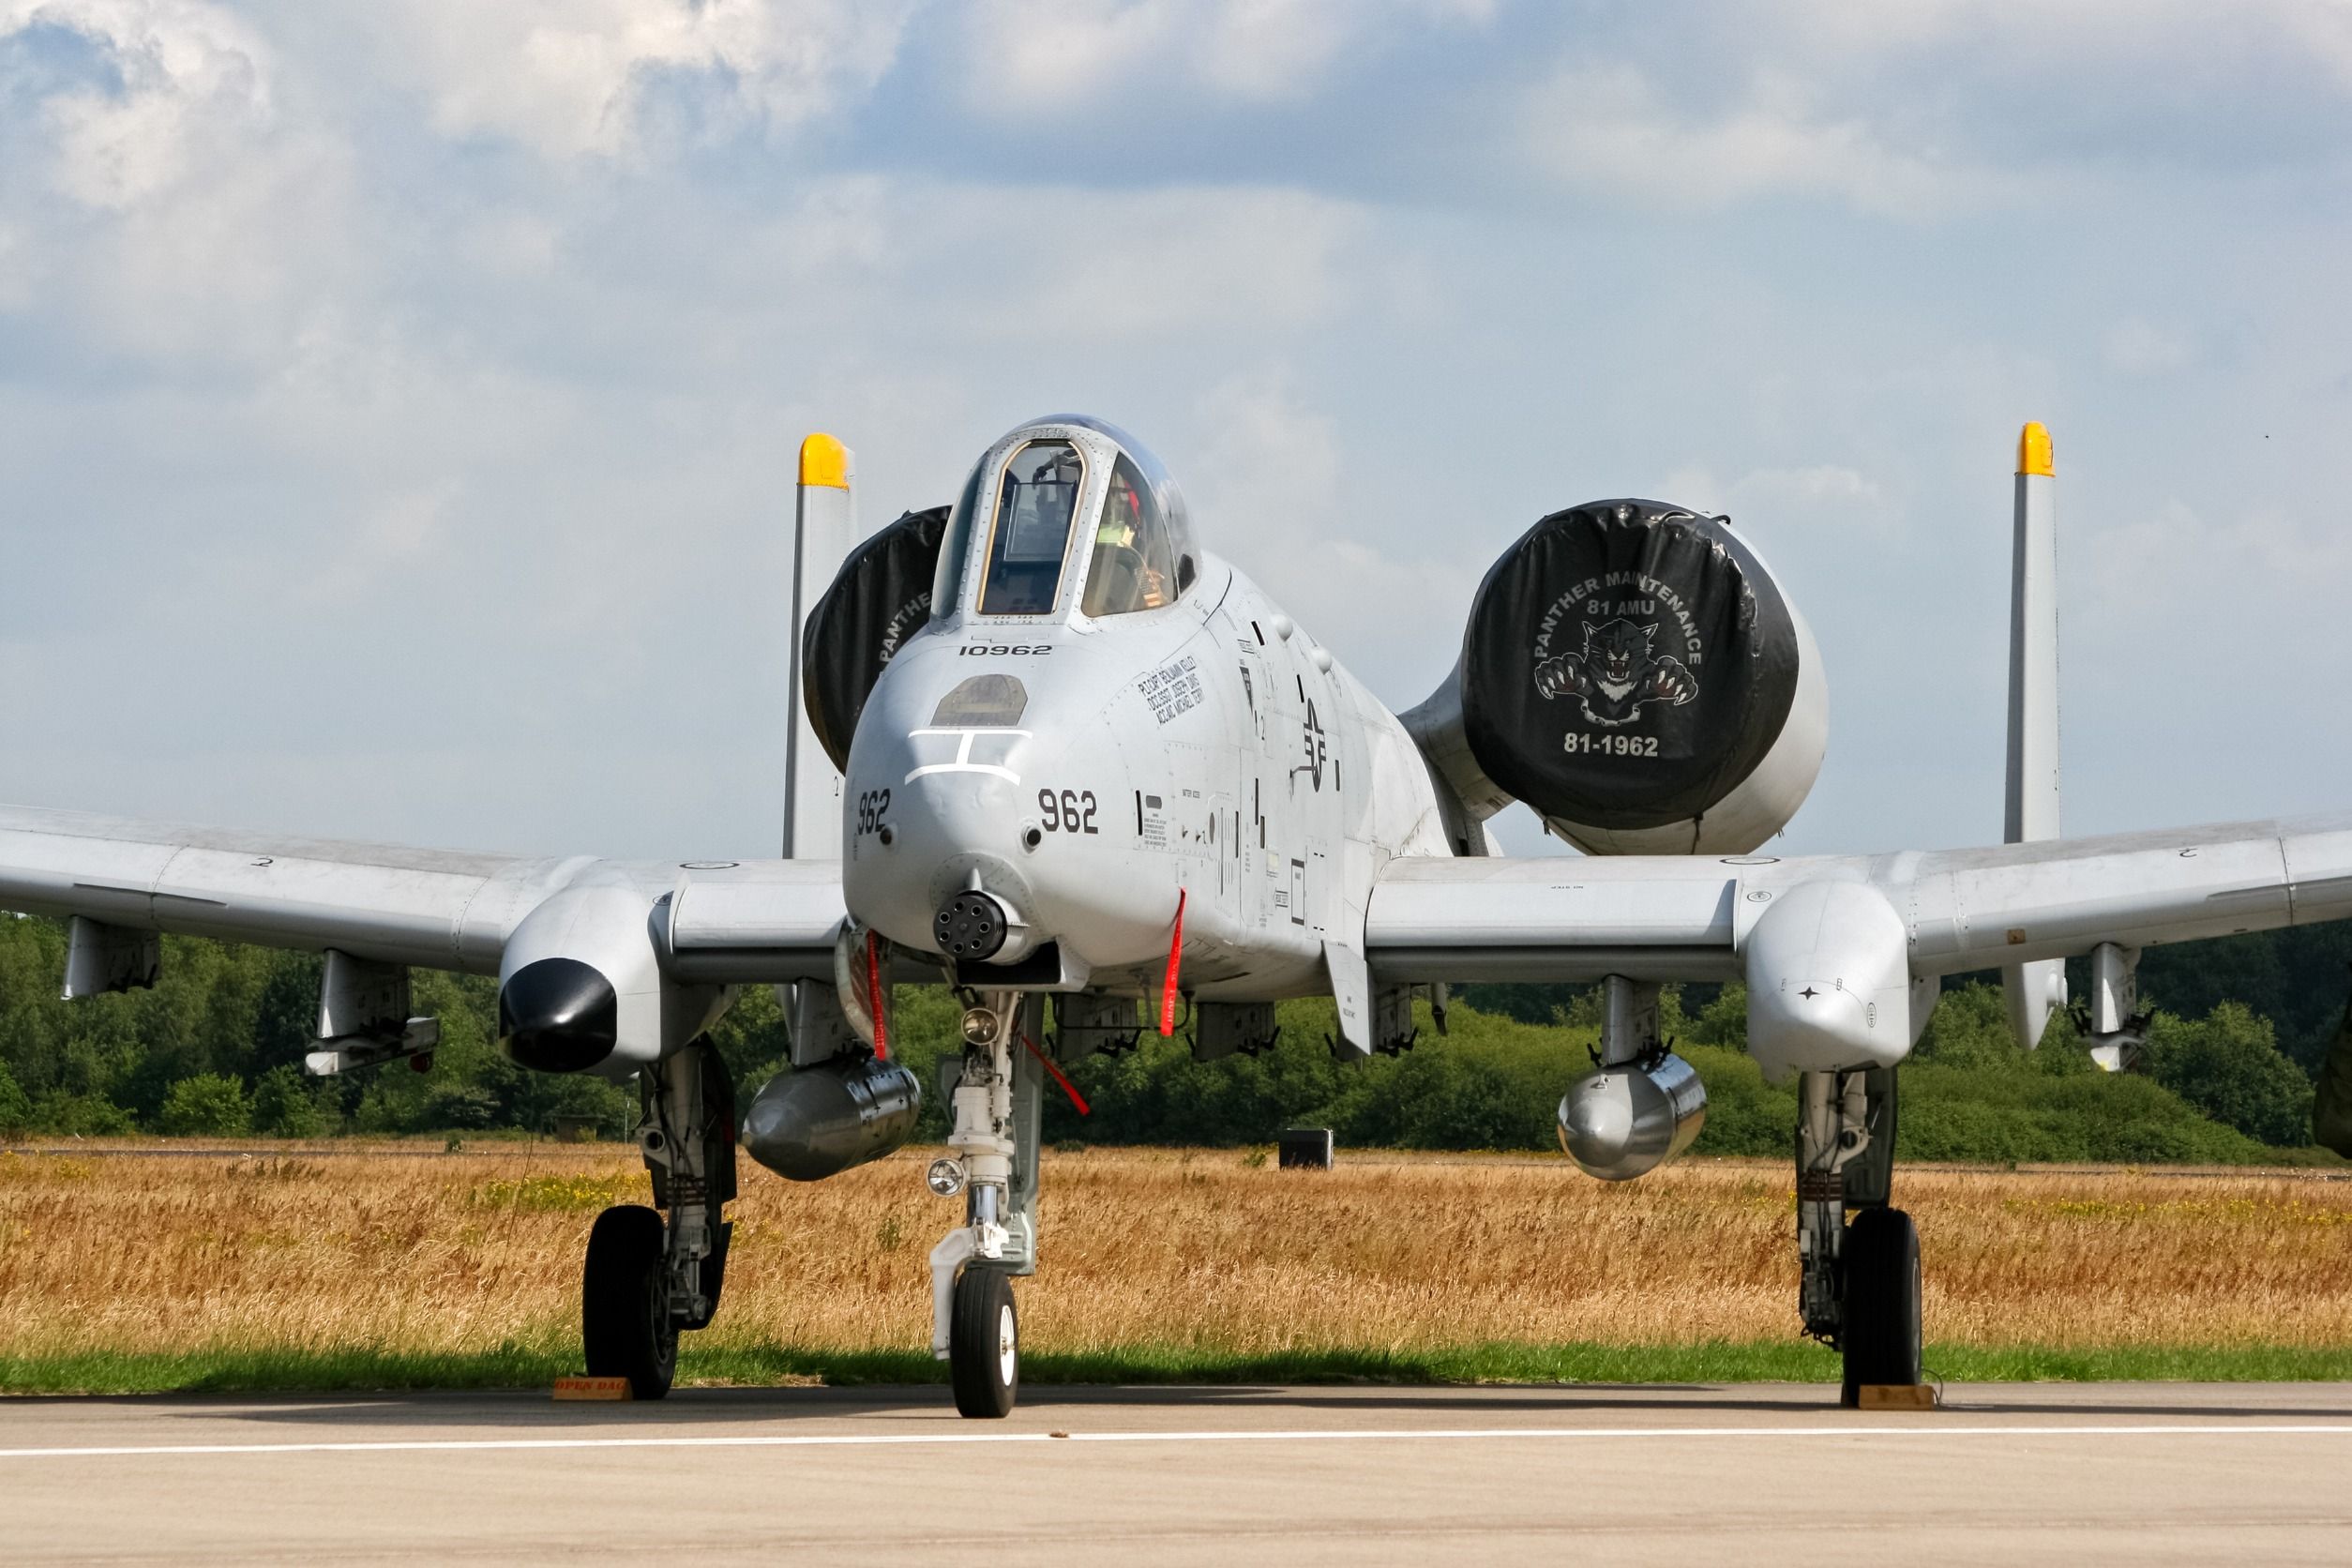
{"x": 432, "y": 909}
{"x": 1660, "y": 917}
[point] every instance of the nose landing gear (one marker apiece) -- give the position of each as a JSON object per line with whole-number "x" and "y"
{"x": 975, "y": 1326}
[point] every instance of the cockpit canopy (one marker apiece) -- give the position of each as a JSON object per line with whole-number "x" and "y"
{"x": 1065, "y": 505}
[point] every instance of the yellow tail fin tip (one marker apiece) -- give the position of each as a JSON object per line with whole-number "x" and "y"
{"x": 2033, "y": 451}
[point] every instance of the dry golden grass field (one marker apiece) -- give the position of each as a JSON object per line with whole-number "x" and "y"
{"x": 1209, "y": 1254}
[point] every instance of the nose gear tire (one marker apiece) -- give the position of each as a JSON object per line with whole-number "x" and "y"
{"x": 1880, "y": 1332}
{"x": 624, "y": 1324}
{"x": 984, "y": 1344}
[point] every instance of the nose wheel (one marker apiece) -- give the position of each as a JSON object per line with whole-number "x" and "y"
{"x": 984, "y": 1345}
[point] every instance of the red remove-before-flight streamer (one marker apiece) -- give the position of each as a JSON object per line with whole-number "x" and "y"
{"x": 874, "y": 996}
{"x": 1175, "y": 957}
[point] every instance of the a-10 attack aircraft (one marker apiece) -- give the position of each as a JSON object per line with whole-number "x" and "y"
{"x": 1048, "y": 750}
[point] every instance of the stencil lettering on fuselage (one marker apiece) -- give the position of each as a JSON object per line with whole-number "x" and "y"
{"x": 1172, "y": 689}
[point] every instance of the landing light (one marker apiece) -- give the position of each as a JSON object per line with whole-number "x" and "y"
{"x": 945, "y": 1177}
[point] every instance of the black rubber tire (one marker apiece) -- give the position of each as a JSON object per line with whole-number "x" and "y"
{"x": 625, "y": 1326}
{"x": 984, "y": 1344}
{"x": 1880, "y": 1333}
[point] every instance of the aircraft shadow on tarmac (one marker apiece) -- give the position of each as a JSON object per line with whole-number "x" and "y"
{"x": 507, "y": 1409}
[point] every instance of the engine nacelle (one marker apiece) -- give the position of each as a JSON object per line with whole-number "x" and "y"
{"x": 1633, "y": 674}
{"x": 580, "y": 988}
{"x": 1627, "y": 1120}
{"x": 816, "y": 1122}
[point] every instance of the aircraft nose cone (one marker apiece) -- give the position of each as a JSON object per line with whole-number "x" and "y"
{"x": 558, "y": 1015}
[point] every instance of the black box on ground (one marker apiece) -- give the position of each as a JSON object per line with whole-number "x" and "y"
{"x": 1306, "y": 1148}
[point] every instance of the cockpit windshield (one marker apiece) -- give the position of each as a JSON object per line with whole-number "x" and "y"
{"x": 1026, "y": 522}
{"x": 1030, "y": 537}
{"x": 1134, "y": 565}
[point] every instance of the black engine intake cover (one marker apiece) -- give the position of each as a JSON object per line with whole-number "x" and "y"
{"x": 1627, "y": 665}
{"x": 882, "y": 597}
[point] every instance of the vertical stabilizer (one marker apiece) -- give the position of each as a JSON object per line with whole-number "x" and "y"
{"x": 825, "y": 527}
{"x": 2037, "y": 990}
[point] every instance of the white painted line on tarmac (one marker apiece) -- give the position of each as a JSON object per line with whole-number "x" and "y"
{"x": 1440, "y": 1434}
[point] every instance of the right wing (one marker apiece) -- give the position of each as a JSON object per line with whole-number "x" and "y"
{"x": 430, "y": 908}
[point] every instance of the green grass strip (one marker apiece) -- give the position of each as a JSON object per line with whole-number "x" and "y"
{"x": 527, "y": 1367}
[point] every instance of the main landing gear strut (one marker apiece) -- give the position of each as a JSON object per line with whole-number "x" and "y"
{"x": 1858, "y": 1289}
{"x": 974, "y": 1325}
{"x": 647, "y": 1280}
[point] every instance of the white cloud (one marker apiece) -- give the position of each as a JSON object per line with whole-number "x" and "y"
{"x": 1108, "y": 265}
{"x": 1273, "y": 488}
{"x": 1768, "y": 501}
{"x": 1269, "y": 465}
{"x": 1160, "y": 261}
{"x": 1822, "y": 494}
{"x": 1044, "y": 58}
{"x": 16, "y": 269}
{"x": 2145, "y": 575}
{"x": 2083, "y": 41}
{"x": 168, "y": 210}
{"x": 401, "y": 532}
{"x": 2136, "y": 348}
{"x": 1939, "y": 108}
{"x": 2325, "y": 32}
{"x": 1607, "y": 128}
{"x": 189, "y": 74}
{"x": 574, "y": 77}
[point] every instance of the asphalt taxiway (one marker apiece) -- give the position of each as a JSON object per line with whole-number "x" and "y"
{"x": 2079, "y": 1474}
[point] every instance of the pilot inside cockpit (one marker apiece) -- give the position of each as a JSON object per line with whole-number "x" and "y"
{"x": 1137, "y": 545}
{"x": 1134, "y": 564}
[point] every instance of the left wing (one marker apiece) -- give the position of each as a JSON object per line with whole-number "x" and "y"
{"x": 1842, "y": 955}
{"x": 1661, "y": 918}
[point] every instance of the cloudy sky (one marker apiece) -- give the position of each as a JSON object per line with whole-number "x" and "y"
{"x": 398, "y": 400}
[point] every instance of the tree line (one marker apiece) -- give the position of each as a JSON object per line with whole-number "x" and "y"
{"x": 217, "y": 1047}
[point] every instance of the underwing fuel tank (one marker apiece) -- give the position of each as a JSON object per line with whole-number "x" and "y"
{"x": 1625, "y": 1120}
{"x": 815, "y": 1121}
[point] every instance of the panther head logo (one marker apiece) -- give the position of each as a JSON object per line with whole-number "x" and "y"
{"x": 1618, "y": 671}
{"x": 1616, "y": 650}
